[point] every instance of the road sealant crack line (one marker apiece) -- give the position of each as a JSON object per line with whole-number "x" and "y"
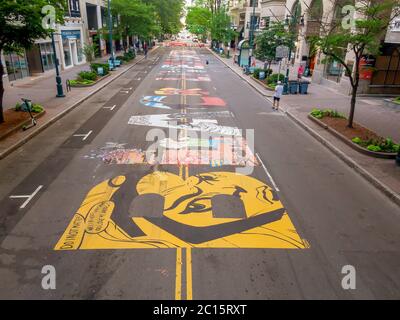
{"x": 379, "y": 185}
{"x": 57, "y": 117}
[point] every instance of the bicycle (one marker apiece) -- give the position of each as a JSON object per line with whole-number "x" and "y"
{"x": 28, "y": 107}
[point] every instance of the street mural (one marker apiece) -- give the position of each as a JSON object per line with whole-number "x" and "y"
{"x": 216, "y": 151}
{"x": 158, "y": 102}
{"x": 169, "y": 121}
{"x": 195, "y": 79}
{"x": 163, "y": 209}
{"x": 189, "y": 214}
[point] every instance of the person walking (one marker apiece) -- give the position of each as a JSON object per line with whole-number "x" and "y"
{"x": 145, "y": 49}
{"x": 300, "y": 72}
{"x": 277, "y": 95}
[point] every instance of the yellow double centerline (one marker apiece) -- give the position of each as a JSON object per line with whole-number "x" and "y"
{"x": 187, "y": 251}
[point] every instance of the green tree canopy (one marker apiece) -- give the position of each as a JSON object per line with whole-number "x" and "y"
{"x": 221, "y": 26}
{"x": 135, "y": 18}
{"x": 198, "y": 21}
{"x": 268, "y": 40}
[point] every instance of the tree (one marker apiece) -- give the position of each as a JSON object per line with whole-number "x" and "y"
{"x": 220, "y": 27}
{"x": 135, "y": 18}
{"x": 198, "y": 21}
{"x": 268, "y": 40}
{"x": 21, "y": 23}
{"x": 169, "y": 13}
{"x": 360, "y": 34}
{"x": 90, "y": 51}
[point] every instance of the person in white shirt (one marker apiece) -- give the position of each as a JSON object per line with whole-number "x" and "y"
{"x": 277, "y": 95}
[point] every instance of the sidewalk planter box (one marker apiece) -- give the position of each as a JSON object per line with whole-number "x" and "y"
{"x": 293, "y": 86}
{"x": 391, "y": 104}
{"x": 376, "y": 154}
{"x": 398, "y": 158}
{"x": 18, "y": 126}
{"x": 303, "y": 87}
{"x": 82, "y": 85}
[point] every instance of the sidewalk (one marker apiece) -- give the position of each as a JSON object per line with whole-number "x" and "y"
{"x": 371, "y": 112}
{"x": 42, "y": 90}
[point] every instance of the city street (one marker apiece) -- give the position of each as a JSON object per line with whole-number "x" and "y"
{"x": 179, "y": 181}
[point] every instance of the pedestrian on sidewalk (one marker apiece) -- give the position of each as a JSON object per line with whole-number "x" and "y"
{"x": 145, "y": 49}
{"x": 300, "y": 72}
{"x": 277, "y": 95}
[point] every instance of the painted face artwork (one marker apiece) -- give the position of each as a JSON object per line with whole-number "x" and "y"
{"x": 183, "y": 213}
{"x": 171, "y": 121}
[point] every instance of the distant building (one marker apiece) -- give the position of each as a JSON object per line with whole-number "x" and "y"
{"x": 83, "y": 21}
{"x": 307, "y": 14}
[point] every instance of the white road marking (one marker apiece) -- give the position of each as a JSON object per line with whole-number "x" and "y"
{"x": 28, "y": 196}
{"x": 124, "y": 91}
{"x": 111, "y": 108}
{"x": 84, "y": 135}
{"x": 267, "y": 172}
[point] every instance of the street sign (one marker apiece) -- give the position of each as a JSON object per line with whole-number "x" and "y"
{"x": 282, "y": 52}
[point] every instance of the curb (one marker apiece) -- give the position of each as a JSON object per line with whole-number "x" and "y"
{"x": 341, "y": 155}
{"x": 57, "y": 117}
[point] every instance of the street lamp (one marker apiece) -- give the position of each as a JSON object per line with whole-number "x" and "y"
{"x": 110, "y": 25}
{"x": 251, "y": 32}
{"x": 290, "y": 22}
{"x": 60, "y": 92}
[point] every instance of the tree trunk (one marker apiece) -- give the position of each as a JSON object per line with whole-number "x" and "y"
{"x": 1, "y": 91}
{"x": 354, "y": 90}
{"x": 352, "y": 106}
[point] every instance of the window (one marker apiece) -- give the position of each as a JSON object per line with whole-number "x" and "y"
{"x": 387, "y": 67}
{"x": 74, "y": 9}
{"x": 17, "y": 66}
{"x": 67, "y": 53}
{"x": 47, "y": 56}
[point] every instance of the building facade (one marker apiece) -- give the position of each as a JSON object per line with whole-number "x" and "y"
{"x": 244, "y": 13}
{"x": 82, "y": 24}
{"x": 305, "y": 17}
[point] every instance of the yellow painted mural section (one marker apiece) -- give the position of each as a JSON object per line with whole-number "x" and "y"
{"x": 187, "y": 219}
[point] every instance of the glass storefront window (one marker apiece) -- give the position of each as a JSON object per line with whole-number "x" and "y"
{"x": 79, "y": 50}
{"x": 46, "y": 53}
{"x": 333, "y": 71}
{"x": 17, "y": 67}
{"x": 67, "y": 53}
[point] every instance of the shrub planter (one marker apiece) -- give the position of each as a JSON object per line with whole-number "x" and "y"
{"x": 262, "y": 83}
{"x": 384, "y": 155}
{"x": 81, "y": 85}
{"x": 21, "y": 124}
{"x": 391, "y": 104}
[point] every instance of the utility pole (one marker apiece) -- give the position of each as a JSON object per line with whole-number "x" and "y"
{"x": 251, "y": 31}
{"x": 60, "y": 92}
{"x": 110, "y": 26}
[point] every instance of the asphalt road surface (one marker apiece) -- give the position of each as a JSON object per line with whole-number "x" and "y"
{"x": 179, "y": 181}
